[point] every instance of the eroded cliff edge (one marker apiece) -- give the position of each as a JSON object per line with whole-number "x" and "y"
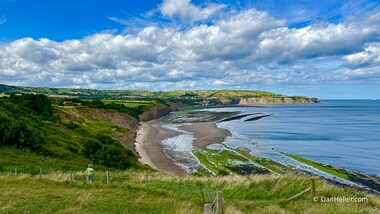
{"x": 276, "y": 100}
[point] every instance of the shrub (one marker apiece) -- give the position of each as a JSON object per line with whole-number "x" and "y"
{"x": 106, "y": 151}
{"x": 17, "y": 133}
{"x": 114, "y": 156}
{"x": 71, "y": 125}
{"x": 90, "y": 147}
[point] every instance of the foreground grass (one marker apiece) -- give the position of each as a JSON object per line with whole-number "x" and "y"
{"x": 24, "y": 161}
{"x": 54, "y": 193}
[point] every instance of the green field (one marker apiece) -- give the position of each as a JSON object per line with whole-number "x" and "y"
{"x": 126, "y": 193}
{"x": 129, "y": 103}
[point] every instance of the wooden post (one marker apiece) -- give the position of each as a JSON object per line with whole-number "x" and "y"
{"x": 312, "y": 184}
{"x": 185, "y": 188}
{"x": 71, "y": 177}
{"x": 146, "y": 182}
{"x": 40, "y": 173}
{"x": 108, "y": 178}
{"x": 299, "y": 194}
{"x": 207, "y": 209}
{"x": 15, "y": 171}
{"x": 219, "y": 204}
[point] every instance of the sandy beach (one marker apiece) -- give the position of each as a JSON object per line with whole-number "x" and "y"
{"x": 149, "y": 148}
{"x": 206, "y": 133}
{"x": 152, "y": 133}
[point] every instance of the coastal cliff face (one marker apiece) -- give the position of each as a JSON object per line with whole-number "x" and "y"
{"x": 155, "y": 113}
{"x": 276, "y": 100}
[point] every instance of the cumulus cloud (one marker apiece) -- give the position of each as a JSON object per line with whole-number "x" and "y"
{"x": 370, "y": 56}
{"x": 187, "y": 11}
{"x": 242, "y": 49}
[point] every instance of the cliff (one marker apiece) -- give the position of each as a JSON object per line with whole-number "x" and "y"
{"x": 155, "y": 113}
{"x": 276, "y": 100}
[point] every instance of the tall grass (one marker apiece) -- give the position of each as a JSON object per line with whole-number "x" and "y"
{"x": 126, "y": 193}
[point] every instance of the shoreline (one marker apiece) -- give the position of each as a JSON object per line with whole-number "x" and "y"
{"x": 147, "y": 145}
{"x": 151, "y": 134}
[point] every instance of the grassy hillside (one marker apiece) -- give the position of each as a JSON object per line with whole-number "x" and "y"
{"x": 53, "y": 193}
{"x": 33, "y": 133}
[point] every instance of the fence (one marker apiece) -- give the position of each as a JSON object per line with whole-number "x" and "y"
{"x": 310, "y": 189}
{"x": 213, "y": 202}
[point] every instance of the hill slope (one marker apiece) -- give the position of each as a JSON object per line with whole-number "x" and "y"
{"x": 33, "y": 133}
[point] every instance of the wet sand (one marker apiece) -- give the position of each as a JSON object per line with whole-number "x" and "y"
{"x": 206, "y": 134}
{"x": 149, "y": 148}
{"x": 152, "y": 133}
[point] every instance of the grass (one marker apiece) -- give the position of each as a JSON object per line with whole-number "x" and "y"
{"x": 88, "y": 121}
{"x": 27, "y": 162}
{"x": 127, "y": 193}
{"x": 129, "y": 103}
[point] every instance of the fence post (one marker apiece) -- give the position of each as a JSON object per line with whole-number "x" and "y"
{"x": 219, "y": 199}
{"x": 15, "y": 171}
{"x": 207, "y": 209}
{"x": 40, "y": 173}
{"x": 146, "y": 182}
{"x": 108, "y": 178}
{"x": 312, "y": 184}
{"x": 71, "y": 177}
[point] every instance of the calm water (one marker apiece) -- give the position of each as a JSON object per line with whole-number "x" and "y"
{"x": 343, "y": 133}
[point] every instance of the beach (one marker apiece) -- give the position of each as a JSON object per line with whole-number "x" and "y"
{"x": 151, "y": 134}
{"x": 206, "y": 133}
{"x": 150, "y": 150}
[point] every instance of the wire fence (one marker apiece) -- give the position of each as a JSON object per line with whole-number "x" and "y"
{"x": 151, "y": 184}
{"x": 212, "y": 198}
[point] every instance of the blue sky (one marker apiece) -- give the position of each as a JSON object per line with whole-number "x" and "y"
{"x": 325, "y": 49}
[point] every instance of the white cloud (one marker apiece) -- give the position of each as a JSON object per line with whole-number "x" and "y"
{"x": 242, "y": 49}
{"x": 187, "y": 11}
{"x": 370, "y": 56}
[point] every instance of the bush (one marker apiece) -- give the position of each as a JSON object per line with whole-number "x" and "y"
{"x": 39, "y": 103}
{"x": 17, "y": 133}
{"x": 106, "y": 151}
{"x": 114, "y": 156}
{"x": 71, "y": 125}
{"x": 90, "y": 147}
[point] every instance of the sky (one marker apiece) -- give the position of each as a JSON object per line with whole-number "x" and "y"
{"x": 325, "y": 49}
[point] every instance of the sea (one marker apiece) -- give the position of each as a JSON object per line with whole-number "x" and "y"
{"x": 342, "y": 133}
